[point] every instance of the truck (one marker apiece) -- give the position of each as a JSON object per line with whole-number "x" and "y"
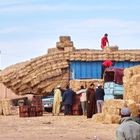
{"x": 113, "y": 83}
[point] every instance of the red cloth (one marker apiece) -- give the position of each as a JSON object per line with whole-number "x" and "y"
{"x": 104, "y": 40}
{"x": 107, "y": 63}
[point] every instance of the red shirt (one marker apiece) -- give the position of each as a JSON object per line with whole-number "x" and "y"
{"x": 104, "y": 40}
{"x": 107, "y": 63}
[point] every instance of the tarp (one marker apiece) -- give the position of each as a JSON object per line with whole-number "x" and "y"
{"x": 114, "y": 75}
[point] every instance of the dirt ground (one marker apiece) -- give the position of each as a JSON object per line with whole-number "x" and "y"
{"x": 50, "y": 127}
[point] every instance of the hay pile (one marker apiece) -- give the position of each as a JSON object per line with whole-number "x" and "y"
{"x": 76, "y": 84}
{"x": 7, "y": 108}
{"x": 131, "y": 82}
{"x": 0, "y": 107}
{"x": 40, "y": 75}
{"x": 111, "y": 111}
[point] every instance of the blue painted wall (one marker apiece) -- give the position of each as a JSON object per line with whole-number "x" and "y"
{"x": 92, "y": 70}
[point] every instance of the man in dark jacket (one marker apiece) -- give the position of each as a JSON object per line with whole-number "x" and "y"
{"x": 91, "y": 101}
{"x": 67, "y": 100}
{"x": 99, "y": 94}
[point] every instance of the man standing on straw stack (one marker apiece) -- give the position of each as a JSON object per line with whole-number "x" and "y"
{"x": 104, "y": 41}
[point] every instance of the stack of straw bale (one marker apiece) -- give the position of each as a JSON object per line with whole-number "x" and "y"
{"x": 14, "y": 110}
{"x": 131, "y": 82}
{"x": 76, "y": 84}
{"x": 111, "y": 111}
{"x": 6, "y": 107}
{"x": 111, "y": 48}
{"x": 40, "y": 75}
{"x": 0, "y": 107}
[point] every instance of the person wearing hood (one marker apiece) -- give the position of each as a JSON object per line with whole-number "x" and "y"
{"x": 128, "y": 129}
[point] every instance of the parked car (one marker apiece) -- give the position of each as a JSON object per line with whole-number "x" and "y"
{"x": 48, "y": 103}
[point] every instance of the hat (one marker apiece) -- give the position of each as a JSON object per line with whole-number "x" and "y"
{"x": 99, "y": 85}
{"x": 58, "y": 86}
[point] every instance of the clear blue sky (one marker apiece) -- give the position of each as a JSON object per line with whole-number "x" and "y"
{"x": 29, "y": 27}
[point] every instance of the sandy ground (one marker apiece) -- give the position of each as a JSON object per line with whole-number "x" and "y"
{"x": 50, "y": 127}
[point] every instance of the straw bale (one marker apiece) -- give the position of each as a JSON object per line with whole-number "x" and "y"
{"x": 89, "y": 57}
{"x": 111, "y": 57}
{"x": 75, "y": 84}
{"x": 132, "y": 83}
{"x": 64, "y": 38}
{"x": 111, "y": 110}
{"x": 138, "y": 106}
{"x": 83, "y": 57}
{"x": 0, "y": 107}
{"x": 113, "y": 106}
{"x": 116, "y": 119}
{"x": 115, "y": 103}
{"x": 14, "y": 110}
{"x": 111, "y": 48}
{"x": 136, "y": 78}
{"x": 109, "y": 119}
{"x": 122, "y": 56}
{"x": 132, "y": 106}
{"x": 65, "y": 44}
{"x": 53, "y": 50}
{"x": 69, "y": 48}
{"x": 127, "y": 56}
{"x": 66, "y": 55}
{"x": 6, "y": 104}
{"x": 98, "y": 118}
{"x": 106, "y": 118}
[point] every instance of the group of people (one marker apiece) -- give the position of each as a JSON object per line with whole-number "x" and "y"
{"x": 91, "y": 100}
{"x": 65, "y": 98}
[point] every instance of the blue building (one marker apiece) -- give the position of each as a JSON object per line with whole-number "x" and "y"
{"x": 92, "y": 69}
